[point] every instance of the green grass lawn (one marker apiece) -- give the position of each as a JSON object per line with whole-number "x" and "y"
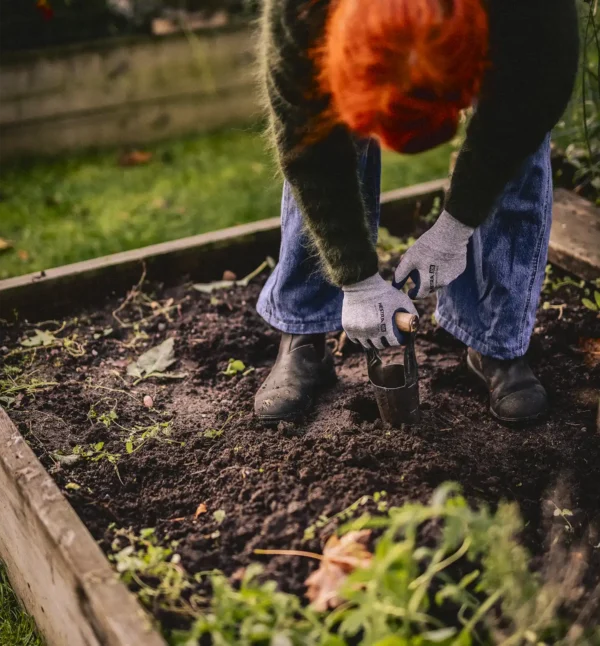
{"x": 58, "y": 211}
{"x": 16, "y": 626}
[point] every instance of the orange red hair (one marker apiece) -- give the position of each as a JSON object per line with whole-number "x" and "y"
{"x": 401, "y": 70}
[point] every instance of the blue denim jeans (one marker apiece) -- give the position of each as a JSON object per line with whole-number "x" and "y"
{"x": 491, "y": 307}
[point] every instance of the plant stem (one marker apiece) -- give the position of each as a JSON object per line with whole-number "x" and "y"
{"x": 310, "y": 555}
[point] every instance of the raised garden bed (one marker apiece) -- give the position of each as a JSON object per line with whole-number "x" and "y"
{"x": 184, "y": 455}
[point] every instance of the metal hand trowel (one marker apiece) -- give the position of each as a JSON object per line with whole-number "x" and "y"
{"x": 396, "y": 385}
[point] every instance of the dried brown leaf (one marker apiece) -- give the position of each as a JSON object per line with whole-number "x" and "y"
{"x": 341, "y": 556}
{"x": 591, "y": 348}
{"x": 135, "y": 158}
{"x": 201, "y": 510}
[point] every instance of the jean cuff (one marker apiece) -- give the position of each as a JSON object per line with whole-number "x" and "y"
{"x": 493, "y": 351}
{"x": 301, "y": 327}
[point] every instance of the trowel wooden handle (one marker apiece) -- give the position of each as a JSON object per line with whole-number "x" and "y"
{"x": 406, "y": 322}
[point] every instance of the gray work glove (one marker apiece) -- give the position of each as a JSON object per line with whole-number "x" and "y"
{"x": 368, "y": 312}
{"x": 436, "y": 258}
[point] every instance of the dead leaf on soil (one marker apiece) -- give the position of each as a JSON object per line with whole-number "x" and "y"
{"x": 40, "y": 338}
{"x": 591, "y": 348}
{"x": 154, "y": 363}
{"x": 341, "y": 556}
{"x": 5, "y": 245}
{"x": 200, "y": 510}
{"x": 135, "y": 158}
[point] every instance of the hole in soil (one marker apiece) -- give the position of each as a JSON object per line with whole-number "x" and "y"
{"x": 364, "y": 407}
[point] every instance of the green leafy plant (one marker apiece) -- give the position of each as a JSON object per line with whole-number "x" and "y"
{"x": 254, "y": 613}
{"x": 578, "y": 133}
{"x": 469, "y": 582}
{"x": 475, "y": 566}
{"x": 154, "y": 570}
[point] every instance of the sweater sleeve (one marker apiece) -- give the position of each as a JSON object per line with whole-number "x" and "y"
{"x": 323, "y": 172}
{"x": 533, "y": 63}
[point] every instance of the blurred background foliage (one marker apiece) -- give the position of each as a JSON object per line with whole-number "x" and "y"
{"x": 577, "y": 136}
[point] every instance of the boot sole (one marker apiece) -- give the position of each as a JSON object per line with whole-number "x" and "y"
{"x": 505, "y": 420}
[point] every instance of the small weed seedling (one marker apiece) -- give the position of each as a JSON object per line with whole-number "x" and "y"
{"x": 553, "y": 284}
{"x": 215, "y": 433}
{"x": 592, "y": 305}
{"x": 235, "y": 366}
{"x": 49, "y": 339}
{"x": 546, "y": 305}
{"x": 14, "y": 383}
{"x": 346, "y": 514}
{"x": 140, "y": 435}
{"x": 219, "y": 515}
{"x": 94, "y": 453}
{"x": 107, "y": 331}
{"x": 564, "y": 514}
{"x": 107, "y": 418}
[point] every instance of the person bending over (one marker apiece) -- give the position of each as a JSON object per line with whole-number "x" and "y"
{"x": 341, "y": 77}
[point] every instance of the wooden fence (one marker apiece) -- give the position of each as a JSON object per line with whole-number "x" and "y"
{"x": 125, "y": 91}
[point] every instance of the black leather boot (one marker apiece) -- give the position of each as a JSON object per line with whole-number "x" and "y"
{"x": 516, "y": 395}
{"x": 304, "y": 366}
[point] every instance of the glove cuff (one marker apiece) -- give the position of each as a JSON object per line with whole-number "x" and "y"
{"x": 368, "y": 284}
{"x": 452, "y": 230}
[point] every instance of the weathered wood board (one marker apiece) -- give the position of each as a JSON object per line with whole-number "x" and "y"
{"x": 54, "y": 564}
{"x": 575, "y": 235}
{"x": 125, "y": 91}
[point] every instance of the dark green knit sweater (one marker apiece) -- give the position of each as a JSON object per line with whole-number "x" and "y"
{"x": 533, "y": 51}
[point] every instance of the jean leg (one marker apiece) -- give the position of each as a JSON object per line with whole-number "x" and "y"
{"x": 298, "y": 298}
{"x": 492, "y": 306}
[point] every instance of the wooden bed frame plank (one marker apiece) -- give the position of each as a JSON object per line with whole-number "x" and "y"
{"x": 54, "y": 564}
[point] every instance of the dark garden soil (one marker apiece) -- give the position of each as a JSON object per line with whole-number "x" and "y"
{"x": 272, "y": 483}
